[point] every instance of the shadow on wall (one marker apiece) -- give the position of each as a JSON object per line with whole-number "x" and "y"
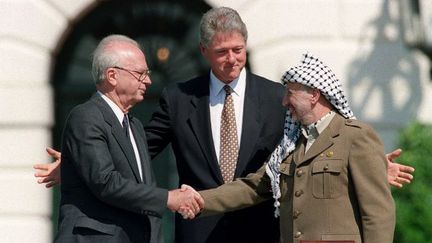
{"x": 385, "y": 73}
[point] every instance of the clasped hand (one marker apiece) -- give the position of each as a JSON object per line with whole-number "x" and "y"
{"x": 185, "y": 201}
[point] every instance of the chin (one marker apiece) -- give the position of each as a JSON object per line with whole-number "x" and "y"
{"x": 139, "y": 99}
{"x": 233, "y": 76}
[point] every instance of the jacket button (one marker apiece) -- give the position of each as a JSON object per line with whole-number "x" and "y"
{"x": 296, "y": 213}
{"x": 297, "y": 234}
{"x": 326, "y": 168}
{"x": 300, "y": 173}
{"x": 298, "y": 193}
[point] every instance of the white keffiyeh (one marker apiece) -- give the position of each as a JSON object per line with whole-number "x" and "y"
{"x": 312, "y": 73}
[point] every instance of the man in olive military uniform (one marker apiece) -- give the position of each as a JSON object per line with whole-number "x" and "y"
{"x": 327, "y": 176}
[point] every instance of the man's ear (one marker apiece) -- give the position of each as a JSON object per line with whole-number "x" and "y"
{"x": 203, "y": 49}
{"x": 316, "y": 94}
{"x": 111, "y": 76}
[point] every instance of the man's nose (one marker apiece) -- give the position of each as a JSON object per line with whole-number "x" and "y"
{"x": 147, "y": 81}
{"x": 231, "y": 57}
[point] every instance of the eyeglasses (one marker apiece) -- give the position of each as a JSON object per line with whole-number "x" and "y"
{"x": 142, "y": 75}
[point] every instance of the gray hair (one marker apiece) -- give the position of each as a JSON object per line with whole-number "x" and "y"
{"x": 222, "y": 19}
{"x": 104, "y": 57}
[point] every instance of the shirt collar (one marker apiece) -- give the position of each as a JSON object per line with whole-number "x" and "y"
{"x": 318, "y": 127}
{"x": 238, "y": 85}
{"x": 117, "y": 111}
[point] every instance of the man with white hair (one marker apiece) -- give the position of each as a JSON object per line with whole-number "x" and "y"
{"x": 108, "y": 190}
{"x": 328, "y": 174}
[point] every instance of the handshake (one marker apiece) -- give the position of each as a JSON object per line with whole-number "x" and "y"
{"x": 185, "y": 201}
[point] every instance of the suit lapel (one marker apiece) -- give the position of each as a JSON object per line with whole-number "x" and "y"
{"x": 148, "y": 177}
{"x": 199, "y": 121}
{"x": 250, "y": 123}
{"x": 118, "y": 134}
{"x": 325, "y": 139}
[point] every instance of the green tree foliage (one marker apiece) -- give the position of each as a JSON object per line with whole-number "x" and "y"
{"x": 414, "y": 201}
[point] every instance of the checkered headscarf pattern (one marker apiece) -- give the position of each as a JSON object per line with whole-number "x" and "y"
{"x": 312, "y": 73}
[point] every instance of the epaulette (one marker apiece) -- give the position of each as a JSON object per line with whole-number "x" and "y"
{"x": 353, "y": 123}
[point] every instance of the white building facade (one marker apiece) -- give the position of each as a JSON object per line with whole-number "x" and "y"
{"x": 387, "y": 84}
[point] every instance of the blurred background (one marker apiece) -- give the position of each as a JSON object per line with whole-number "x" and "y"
{"x": 379, "y": 49}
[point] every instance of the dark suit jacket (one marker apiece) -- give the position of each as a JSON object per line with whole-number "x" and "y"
{"x": 102, "y": 195}
{"x": 183, "y": 119}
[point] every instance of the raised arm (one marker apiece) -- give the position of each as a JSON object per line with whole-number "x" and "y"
{"x": 398, "y": 174}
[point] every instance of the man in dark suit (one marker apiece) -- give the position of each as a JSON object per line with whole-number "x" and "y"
{"x": 189, "y": 118}
{"x": 108, "y": 191}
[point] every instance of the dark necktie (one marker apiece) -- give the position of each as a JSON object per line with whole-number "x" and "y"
{"x": 228, "y": 138}
{"x": 125, "y": 124}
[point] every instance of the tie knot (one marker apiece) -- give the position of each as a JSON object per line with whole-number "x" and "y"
{"x": 228, "y": 89}
{"x": 125, "y": 121}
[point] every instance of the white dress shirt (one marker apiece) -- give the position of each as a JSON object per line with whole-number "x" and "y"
{"x": 217, "y": 99}
{"x": 120, "y": 115}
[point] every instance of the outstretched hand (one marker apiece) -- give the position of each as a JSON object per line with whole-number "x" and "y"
{"x": 186, "y": 211}
{"x": 186, "y": 201}
{"x": 398, "y": 174}
{"x": 49, "y": 174}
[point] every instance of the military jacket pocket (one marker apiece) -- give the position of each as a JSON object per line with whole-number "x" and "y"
{"x": 325, "y": 181}
{"x": 286, "y": 180}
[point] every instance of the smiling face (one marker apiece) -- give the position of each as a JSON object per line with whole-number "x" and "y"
{"x": 299, "y": 100}
{"x": 226, "y": 55}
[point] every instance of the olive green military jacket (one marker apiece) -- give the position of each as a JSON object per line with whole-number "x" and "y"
{"x": 338, "y": 190}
